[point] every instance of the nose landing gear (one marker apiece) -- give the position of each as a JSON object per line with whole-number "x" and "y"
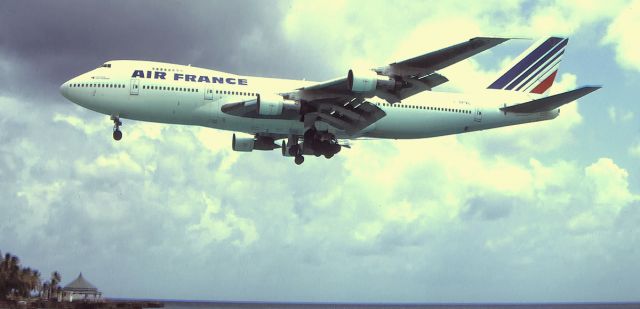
{"x": 117, "y": 134}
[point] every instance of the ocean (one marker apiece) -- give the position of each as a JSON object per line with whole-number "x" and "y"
{"x": 260, "y": 305}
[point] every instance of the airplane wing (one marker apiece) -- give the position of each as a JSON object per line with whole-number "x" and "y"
{"x": 430, "y": 62}
{"x": 417, "y": 74}
{"x": 550, "y": 102}
{"x": 351, "y": 103}
{"x": 343, "y": 103}
{"x": 344, "y": 113}
{"x": 348, "y": 114}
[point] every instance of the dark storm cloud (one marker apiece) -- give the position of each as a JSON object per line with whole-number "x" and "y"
{"x": 44, "y": 43}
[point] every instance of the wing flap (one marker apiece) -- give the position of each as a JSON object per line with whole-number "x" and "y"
{"x": 550, "y": 102}
{"x": 351, "y": 115}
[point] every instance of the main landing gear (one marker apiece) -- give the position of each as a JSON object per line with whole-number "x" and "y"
{"x": 296, "y": 151}
{"x": 117, "y": 134}
{"x": 315, "y": 143}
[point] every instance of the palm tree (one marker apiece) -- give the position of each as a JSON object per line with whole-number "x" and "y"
{"x": 15, "y": 280}
{"x": 45, "y": 290}
{"x": 37, "y": 285}
{"x": 3, "y": 277}
{"x": 55, "y": 279}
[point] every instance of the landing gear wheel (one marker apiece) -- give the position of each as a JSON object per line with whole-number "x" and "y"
{"x": 299, "y": 159}
{"x": 294, "y": 150}
{"x": 117, "y": 135}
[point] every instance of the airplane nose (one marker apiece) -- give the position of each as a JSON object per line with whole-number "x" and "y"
{"x": 64, "y": 89}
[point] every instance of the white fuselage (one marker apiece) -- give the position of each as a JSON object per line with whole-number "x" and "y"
{"x": 178, "y": 94}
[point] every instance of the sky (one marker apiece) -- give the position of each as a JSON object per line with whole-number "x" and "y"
{"x": 540, "y": 212}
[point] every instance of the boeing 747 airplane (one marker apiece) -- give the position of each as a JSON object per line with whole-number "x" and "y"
{"x": 318, "y": 118}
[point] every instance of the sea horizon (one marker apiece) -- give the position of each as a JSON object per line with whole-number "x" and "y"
{"x": 189, "y": 303}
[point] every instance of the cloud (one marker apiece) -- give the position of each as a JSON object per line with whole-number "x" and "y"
{"x": 615, "y": 116}
{"x": 214, "y": 226}
{"x": 634, "y": 150}
{"x": 625, "y": 43}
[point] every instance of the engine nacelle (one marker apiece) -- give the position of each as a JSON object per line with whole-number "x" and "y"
{"x": 362, "y": 81}
{"x": 244, "y": 144}
{"x": 248, "y": 144}
{"x": 368, "y": 80}
{"x": 275, "y": 105}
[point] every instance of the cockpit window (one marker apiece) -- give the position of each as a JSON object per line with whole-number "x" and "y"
{"x": 106, "y": 65}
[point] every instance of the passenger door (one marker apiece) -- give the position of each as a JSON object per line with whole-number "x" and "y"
{"x": 208, "y": 94}
{"x": 478, "y": 115}
{"x": 135, "y": 84}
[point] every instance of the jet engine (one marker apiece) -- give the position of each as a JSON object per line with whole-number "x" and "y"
{"x": 250, "y": 143}
{"x": 275, "y": 105}
{"x": 244, "y": 144}
{"x": 368, "y": 80}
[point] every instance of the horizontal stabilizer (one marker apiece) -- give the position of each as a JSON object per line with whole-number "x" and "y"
{"x": 550, "y": 102}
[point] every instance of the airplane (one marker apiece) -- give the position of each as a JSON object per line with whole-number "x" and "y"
{"x": 319, "y": 118}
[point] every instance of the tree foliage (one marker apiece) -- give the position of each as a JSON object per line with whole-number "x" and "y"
{"x": 15, "y": 280}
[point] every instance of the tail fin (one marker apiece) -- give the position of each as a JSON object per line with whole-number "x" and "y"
{"x": 534, "y": 70}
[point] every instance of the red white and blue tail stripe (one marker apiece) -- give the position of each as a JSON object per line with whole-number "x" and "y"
{"x": 534, "y": 70}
